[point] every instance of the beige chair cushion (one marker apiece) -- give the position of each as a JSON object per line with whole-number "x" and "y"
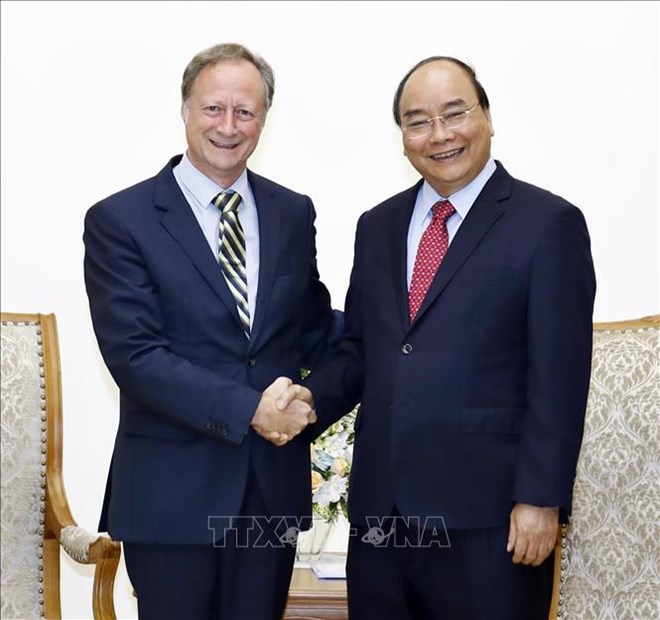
{"x": 23, "y": 470}
{"x": 611, "y": 556}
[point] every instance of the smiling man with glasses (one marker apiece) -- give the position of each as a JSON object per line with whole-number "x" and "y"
{"x": 467, "y": 341}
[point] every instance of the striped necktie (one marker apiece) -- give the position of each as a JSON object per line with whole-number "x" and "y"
{"x": 231, "y": 254}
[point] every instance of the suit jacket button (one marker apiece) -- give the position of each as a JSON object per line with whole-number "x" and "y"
{"x": 251, "y": 362}
{"x": 406, "y": 349}
{"x": 224, "y": 431}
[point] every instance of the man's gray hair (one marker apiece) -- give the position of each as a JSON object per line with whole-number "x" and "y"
{"x": 223, "y": 52}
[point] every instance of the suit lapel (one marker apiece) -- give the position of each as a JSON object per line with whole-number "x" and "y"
{"x": 269, "y": 225}
{"x": 398, "y": 242}
{"x": 179, "y": 221}
{"x": 486, "y": 210}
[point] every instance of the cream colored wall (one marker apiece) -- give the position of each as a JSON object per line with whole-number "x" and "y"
{"x": 90, "y": 105}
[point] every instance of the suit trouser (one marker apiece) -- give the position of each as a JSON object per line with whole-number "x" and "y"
{"x": 243, "y": 580}
{"x": 416, "y": 575}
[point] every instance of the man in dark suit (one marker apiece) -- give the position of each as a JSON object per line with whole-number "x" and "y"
{"x": 467, "y": 340}
{"x": 203, "y": 290}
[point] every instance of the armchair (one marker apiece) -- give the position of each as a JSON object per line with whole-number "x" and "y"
{"x": 36, "y": 518}
{"x": 607, "y": 560}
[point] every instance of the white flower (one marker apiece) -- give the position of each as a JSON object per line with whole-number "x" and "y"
{"x": 339, "y": 466}
{"x": 330, "y": 491}
{"x": 332, "y": 456}
{"x": 322, "y": 459}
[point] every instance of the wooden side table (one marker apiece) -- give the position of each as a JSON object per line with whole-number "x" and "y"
{"x": 311, "y": 598}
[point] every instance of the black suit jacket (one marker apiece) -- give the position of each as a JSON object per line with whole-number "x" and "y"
{"x": 480, "y": 402}
{"x": 189, "y": 379}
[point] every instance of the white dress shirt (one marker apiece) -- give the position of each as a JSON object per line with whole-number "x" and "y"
{"x": 199, "y": 191}
{"x": 462, "y": 201}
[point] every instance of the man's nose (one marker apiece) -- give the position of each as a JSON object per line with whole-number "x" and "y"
{"x": 439, "y": 133}
{"x": 226, "y": 123}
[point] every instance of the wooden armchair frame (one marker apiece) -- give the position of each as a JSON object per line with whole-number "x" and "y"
{"x": 60, "y": 528}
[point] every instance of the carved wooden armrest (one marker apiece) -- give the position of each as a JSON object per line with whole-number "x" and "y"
{"x": 104, "y": 553}
{"x": 83, "y": 547}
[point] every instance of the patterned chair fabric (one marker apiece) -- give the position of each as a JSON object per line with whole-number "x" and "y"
{"x": 608, "y": 558}
{"x": 23, "y": 471}
{"x": 35, "y": 515}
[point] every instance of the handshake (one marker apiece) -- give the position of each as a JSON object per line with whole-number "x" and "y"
{"x": 284, "y": 411}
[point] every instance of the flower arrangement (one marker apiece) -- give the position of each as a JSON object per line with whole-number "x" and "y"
{"x": 332, "y": 456}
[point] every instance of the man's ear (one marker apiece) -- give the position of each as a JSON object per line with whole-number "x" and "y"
{"x": 490, "y": 122}
{"x": 184, "y": 112}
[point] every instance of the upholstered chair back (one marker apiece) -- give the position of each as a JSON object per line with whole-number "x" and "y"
{"x": 610, "y": 555}
{"x": 23, "y": 451}
{"x": 36, "y": 519}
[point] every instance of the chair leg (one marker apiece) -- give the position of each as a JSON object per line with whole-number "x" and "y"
{"x": 104, "y": 580}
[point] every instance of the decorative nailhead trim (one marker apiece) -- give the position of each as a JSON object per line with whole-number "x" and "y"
{"x": 633, "y": 330}
{"x": 562, "y": 573}
{"x": 44, "y": 459}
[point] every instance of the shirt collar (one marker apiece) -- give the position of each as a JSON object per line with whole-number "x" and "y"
{"x": 464, "y": 198}
{"x": 204, "y": 189}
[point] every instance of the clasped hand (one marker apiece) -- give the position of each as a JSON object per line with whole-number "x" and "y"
{"x": 284, "y": 411}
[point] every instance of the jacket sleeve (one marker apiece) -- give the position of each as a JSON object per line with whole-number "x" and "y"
{"x": 338, "y": 382}
{"x": 322, "y": 326}
{"x": 129, "y": 327}
{"x": 559, "y": 324}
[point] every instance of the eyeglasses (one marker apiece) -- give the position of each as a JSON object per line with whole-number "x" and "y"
{"x": 450, "y": 120}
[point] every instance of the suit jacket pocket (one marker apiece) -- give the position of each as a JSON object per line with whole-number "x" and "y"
{"x": 491, "y": 420}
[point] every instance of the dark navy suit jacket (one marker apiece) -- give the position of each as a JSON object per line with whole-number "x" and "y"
{"x": 189, "y": 379}
{"x": 480, "y": 402}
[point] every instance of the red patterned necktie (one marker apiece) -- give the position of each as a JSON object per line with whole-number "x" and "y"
{"x": 432, "y": 249}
